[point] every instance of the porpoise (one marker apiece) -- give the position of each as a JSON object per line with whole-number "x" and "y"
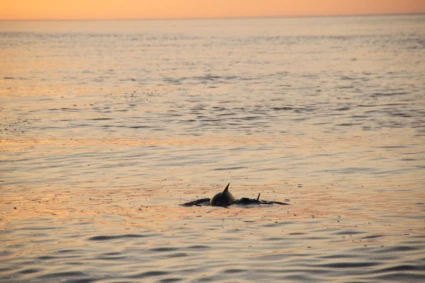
{"x": 224, "y": 198}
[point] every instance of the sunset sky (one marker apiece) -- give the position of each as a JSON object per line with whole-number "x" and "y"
{"x": 154, "y": 9}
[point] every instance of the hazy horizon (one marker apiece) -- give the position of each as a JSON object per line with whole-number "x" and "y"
{"x": 220, "y": 18}
{"x": 188, "y": 9}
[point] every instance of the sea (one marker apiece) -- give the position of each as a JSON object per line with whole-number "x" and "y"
{"x": 107, "y": 127}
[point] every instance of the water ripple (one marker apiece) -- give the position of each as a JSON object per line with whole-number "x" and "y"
{"x": 107, "y": 238}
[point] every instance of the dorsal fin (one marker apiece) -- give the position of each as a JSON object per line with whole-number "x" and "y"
{"x": 227, "y": 188}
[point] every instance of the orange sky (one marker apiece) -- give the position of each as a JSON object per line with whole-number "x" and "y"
{"x": 142, "y": 9}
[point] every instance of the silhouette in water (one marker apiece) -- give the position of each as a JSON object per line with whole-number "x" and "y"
{"x": 226, "y": 199}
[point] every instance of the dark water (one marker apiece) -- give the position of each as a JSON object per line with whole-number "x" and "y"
{"x": 106, "y": 127}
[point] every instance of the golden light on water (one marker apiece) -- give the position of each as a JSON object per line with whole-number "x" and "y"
{"x": 324, "y": 197}
{"x": 108, "y": 126}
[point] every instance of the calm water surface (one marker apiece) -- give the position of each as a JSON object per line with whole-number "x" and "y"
{"x": 106, "y": 127}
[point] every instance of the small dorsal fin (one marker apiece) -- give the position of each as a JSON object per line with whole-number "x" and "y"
{"x": 227, "y": 188}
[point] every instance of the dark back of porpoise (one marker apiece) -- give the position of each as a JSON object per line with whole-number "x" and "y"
{"x": 224, "y": 198}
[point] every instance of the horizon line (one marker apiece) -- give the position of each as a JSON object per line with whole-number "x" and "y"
{"x": 221, "y": 18}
